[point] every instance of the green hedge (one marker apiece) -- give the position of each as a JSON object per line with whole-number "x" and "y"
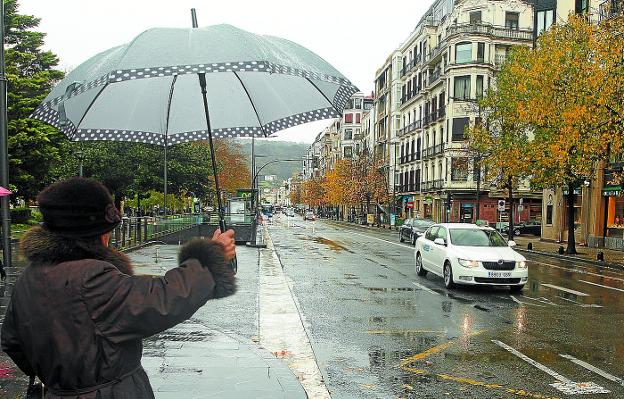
{"x": 20, "y": 215}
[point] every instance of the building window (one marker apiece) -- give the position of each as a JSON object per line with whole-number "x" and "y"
{"x": 549, "y": 215}
{"x": 479, "y": 86}
{"x": 349, "y": 104}
{"x": 582, "y": 6}
{"x": 462, "y": 87}
{"x": 459, "y": 126}
{"x": 348, "y": 134}
{"x": 480, "y": 52}
{"x": 348, "y": 118}
{"x": 358, "y": 103}
{"x": 459, "y": 169}
{"x": 475, "y": 17}
{"x": 358, "y": 118}
{"x": 511, "y": 20}
{"x": 463, "y": 53}
{"x": 348, "y": 152}
{"x": 545, "y": 19}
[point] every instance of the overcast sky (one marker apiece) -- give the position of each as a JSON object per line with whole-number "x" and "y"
{"x": 356, "y": 37}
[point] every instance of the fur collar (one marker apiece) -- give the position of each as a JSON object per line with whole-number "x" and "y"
{"x": 44, "y": 247}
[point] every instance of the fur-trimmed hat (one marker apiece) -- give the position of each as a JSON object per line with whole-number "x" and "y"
{"x": 78, "y": 207}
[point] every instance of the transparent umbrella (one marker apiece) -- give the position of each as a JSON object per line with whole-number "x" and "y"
{"x": 170, "y": 86}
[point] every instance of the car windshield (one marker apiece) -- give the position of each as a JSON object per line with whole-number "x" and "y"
{"x": 477, "y": 238}
{"x": 424, "y": 224}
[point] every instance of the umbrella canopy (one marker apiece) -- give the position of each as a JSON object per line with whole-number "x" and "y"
{"x": 4, "y": 192}
{"x": 147, "y": 90}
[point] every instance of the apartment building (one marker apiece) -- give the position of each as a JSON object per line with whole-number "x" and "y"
{"x": 448, "y": 62}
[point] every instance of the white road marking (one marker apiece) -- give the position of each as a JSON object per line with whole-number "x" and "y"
{"x": 516, "y": 300}
{"x": 422, "y": 287}
{"x": 404, "y": 246}
{"x": 603, "y": 286}
{"x": 556, "y": 287}
{"x": 577, "y": 271}
{"x": 565, "y": 385}
{"x": 541, "y": 300}
{"x": 594, "y": 369}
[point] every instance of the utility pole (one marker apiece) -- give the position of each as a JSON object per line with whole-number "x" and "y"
{"x": 4, "y": 151}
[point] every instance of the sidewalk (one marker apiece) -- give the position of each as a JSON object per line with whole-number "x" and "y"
{"x": 193, "y": 361}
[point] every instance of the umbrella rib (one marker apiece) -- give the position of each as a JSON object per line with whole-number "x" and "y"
{"x": 323, "y": 94}
{"x": 91, "y": 105}
{"x": 175, "y": 77}
{"x": 252, "y": 104}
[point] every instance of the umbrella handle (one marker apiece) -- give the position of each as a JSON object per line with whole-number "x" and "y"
{"x": 233, "y": 264}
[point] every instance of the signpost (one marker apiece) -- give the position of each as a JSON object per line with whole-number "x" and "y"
{"x": 501, "y": 209}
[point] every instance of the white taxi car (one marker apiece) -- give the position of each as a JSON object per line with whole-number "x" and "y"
{"x": 464, "y": 253}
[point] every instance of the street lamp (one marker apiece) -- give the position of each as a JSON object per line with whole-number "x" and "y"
{"x": 80, "y": 156}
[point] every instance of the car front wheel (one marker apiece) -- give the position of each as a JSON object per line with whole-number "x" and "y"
{"x": 448, "y": 276}
{"x": 420, "y": 270}
{"x": 516, "y": 288}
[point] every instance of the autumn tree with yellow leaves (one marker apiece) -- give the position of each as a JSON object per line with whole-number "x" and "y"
{"x": 569, "y": 92}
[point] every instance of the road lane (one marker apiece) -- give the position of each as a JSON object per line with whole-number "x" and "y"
{"x": 351, "y": 280}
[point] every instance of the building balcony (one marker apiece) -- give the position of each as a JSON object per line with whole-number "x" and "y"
{"x": 410, "y": 128}
{"x": 490, "y": 30}
{"x": 433, "y": 151}
{"x": 441, "y": 114}
{"x": 499, "y": 60}
{"x": 434, "y": 77}
{"x": 410, "y": 65}
{"x": 611, "y": 8}
{"x": 432, "y": 185}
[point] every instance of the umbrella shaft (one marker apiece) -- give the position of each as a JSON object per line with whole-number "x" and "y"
{"x": 202, "y": 83}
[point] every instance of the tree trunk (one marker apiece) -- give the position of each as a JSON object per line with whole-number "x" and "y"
{"x": 571, "y": 250}
{"x": 511, "y": 208}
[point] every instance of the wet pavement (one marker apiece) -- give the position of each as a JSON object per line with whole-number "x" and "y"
{"x": 380, "y": 331}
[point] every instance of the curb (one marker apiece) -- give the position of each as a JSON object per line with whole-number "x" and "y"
{"x": 606, "y": 265}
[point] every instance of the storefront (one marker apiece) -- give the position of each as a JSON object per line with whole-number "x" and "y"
{"x": 614, "y": 204}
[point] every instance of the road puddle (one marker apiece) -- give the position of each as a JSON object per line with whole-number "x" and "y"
{"x": 333, "y": 245}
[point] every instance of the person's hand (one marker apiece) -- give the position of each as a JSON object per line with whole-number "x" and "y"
{"x": 227, "y": 241}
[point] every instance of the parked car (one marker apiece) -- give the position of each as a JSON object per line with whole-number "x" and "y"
{"x": 290, "y": 212}
{"x": 411, "y": 229}
{"x": 309, "y": 215}
{"x": 468, "y": 254}
{"x": 529, "y": 227}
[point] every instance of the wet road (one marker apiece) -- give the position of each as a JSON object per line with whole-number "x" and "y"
{"x": 380, "y": 331}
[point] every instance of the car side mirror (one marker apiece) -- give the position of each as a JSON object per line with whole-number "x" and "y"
{"x": 439, "y": 241}
{"x": 511, "y": 243}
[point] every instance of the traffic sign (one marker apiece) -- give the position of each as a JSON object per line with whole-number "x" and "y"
{"x": 501, "y": 205}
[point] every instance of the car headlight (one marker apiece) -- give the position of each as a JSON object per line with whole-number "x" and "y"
{"x": 521, "y": 264}
{"x": 468, "y": 263}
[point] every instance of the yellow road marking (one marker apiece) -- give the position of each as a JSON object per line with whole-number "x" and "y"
{"x": 404, "y": 365}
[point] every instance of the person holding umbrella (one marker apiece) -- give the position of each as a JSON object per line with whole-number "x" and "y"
{"x": 78, "y": 315}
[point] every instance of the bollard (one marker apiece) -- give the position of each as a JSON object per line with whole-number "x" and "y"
{"x": 561, "y": 250}
{"x": 600, "y": 256}
{"x": 530, "y": 246}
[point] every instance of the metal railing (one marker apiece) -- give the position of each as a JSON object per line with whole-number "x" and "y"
{"x": 410, "y": 65}
{"x": 410, "y": 128}
{"x": 134, "y": 231}
{"x": 490, "y": 30}
{"x": 432, "y": 185}
{"x": 435, "y": 76}
{"x": 433, "y": 150}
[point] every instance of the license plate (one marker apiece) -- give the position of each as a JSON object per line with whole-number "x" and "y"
{"x": 499, "y": 275}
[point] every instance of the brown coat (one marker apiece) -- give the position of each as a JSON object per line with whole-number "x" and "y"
{"x": 77, "y": 314}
